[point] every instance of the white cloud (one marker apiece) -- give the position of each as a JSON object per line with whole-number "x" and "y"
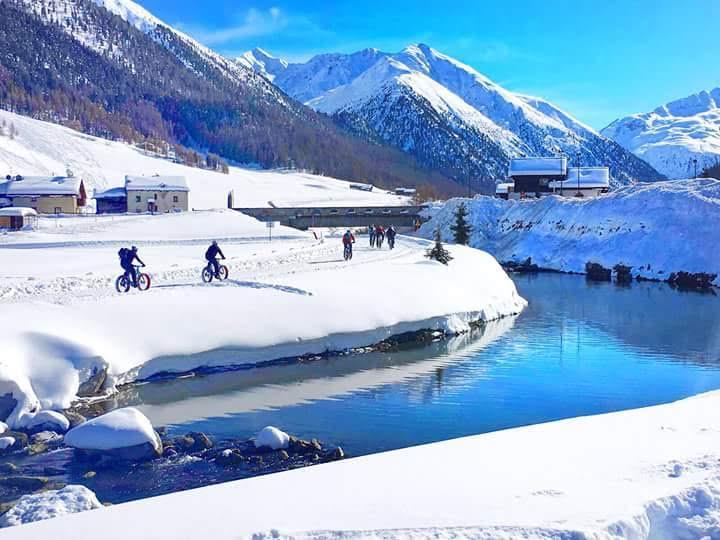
{"x": 254, "y": 23}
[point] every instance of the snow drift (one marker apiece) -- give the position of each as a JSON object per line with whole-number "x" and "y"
{"x": 655, "y": 228}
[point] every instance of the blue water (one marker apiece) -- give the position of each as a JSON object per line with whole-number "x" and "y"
{"x": 578, "y": 349}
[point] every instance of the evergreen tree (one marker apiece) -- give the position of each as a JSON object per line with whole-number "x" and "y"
{"x": 461, "y": 229}
{"x": 438, "y": 251}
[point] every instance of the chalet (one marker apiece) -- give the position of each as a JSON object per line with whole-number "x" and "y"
{"x": 537, "y": 177}
{"x": 156, "y": 194}
{"x": 14, "y": 218}
{"x": 46, "y": 194}
{"x": 533, "y": 175}
{"x": 111, "y": 201}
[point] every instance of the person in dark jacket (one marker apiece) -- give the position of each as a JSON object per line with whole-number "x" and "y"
{"x": 371, "y": 233}
{"x": 390, "y": 233}
{"x": 127, "y": 260}
{"x": 211, "y": 256}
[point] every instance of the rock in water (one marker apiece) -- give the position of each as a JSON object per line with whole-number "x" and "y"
{"x": 123, "y": 434}
{"x": 50, "y": 504}
{"x": 272, "y": 437}
{"x": 47, "y": 421}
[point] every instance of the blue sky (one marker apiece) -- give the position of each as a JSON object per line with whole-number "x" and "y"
{"x": 598, "y": 60}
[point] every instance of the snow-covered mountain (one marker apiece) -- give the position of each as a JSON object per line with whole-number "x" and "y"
{"x": 673, "y": 135}
{"x": 110, "y": 68}
{"x": 443, "y": 112}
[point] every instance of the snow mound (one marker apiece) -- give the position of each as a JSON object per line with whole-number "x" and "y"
{"x": 3, "y": 427}
{"x": 272, "y": 437}
{"x": 121, "y": 428}
{"x": 51, "y": 504}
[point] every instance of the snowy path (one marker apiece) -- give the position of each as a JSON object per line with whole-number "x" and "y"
{"x": 286, "y": 256}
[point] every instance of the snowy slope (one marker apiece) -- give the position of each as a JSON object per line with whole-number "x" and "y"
{"x": 675, "y": 134}
{"x": 45, "y": 148}
{"x": 392, "y": 96}
{"x": 649, "y": 473}
{"x": 262, "y": 62}
{"x": 655, "y": 228}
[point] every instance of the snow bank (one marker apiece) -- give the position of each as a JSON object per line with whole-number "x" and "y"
{"x": 51, "y": 504}
{"x": 602, "y": 477}
{"x": 656, "y": 228}
{"x": 121, "y": 428}
{"x": 181, "y": 326}
{"x": 272, "y": 437}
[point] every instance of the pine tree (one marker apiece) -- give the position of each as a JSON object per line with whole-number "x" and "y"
{"x": 461, "y": 229}
{"x": 438, "y": 251}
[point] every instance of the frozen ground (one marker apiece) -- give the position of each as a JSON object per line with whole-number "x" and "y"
{"x": 656, "y": 228}
{"x": 44, "y": 148}
{"x": 647, "y": 473}
{"x": 63, "y": 321}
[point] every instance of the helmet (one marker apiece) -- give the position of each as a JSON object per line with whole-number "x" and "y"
{"x": 134, "y": 248}
{"x": 214, "y": 242}
{"x": 347, "y": 232}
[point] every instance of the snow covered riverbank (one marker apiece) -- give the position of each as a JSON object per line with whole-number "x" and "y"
{"x": 293, "y": 297}
{"x": 656, "y": 228}
{"x": 647, "y": 473}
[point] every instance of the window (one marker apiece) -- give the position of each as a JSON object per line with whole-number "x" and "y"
{"x": 58, "y": 210}
{"x": 176, "y": 198}
{"x": 138, "y": 198}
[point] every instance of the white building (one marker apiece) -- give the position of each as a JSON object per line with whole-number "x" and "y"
{"x": 537, "y": 177}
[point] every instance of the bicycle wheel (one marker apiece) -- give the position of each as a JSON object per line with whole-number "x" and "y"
{"x": 143, "y": 282}
{"x": 207, "y": 275}
{"x": 122, "y": 284}
{"x": 223, "y": 273}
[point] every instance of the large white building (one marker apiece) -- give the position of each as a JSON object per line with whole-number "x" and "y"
{"x": 536, "y": 177}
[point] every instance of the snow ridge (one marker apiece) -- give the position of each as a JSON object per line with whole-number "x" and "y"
{"x": 675, "y": 134}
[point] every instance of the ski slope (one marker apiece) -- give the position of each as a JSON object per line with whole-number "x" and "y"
{"x": 42, "y": 148}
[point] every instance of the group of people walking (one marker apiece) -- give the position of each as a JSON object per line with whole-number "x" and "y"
{"x": 378, "y": 234}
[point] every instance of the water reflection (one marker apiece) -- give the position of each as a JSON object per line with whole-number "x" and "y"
{"x": 578, "y": 349}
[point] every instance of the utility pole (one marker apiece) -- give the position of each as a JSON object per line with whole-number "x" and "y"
{"x": 695, "y": 163}
{"x": 578, "y": 173}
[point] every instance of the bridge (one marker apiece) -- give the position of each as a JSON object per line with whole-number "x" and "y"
{"x": 350, "y": 217}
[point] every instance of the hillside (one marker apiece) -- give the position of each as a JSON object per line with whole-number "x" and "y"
{"x": 674, "y": 135}
{"x": 44, "y": 148}
{"x": 113, "y": 70}
{"x": 444, "y": 113}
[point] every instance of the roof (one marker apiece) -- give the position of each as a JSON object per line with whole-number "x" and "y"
{"x": 156, "y": 183}
{"x": 43, "y": 185}
{"x": 590, "y": 177}
{"x": 17, "y": 211}
{"x": 112, "y": 193}
{"x": 538, "y": 166}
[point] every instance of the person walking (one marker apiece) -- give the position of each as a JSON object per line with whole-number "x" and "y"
{"x": 390, "y": 233}
{"x": 371, "y": 234}
{"x": 379, "y": 236}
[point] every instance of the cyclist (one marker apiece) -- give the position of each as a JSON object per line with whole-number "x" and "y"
{"x": 127, "y": 260}
{"x": 211, "y": 256}
{"x": 371, "y": 233}
{"x": 390, "y": 233}
{"x": 379, "y": 236}
{"x": 348, "y": 240}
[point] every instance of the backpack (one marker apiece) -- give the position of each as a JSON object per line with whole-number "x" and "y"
{"x": 123, "y": 254}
